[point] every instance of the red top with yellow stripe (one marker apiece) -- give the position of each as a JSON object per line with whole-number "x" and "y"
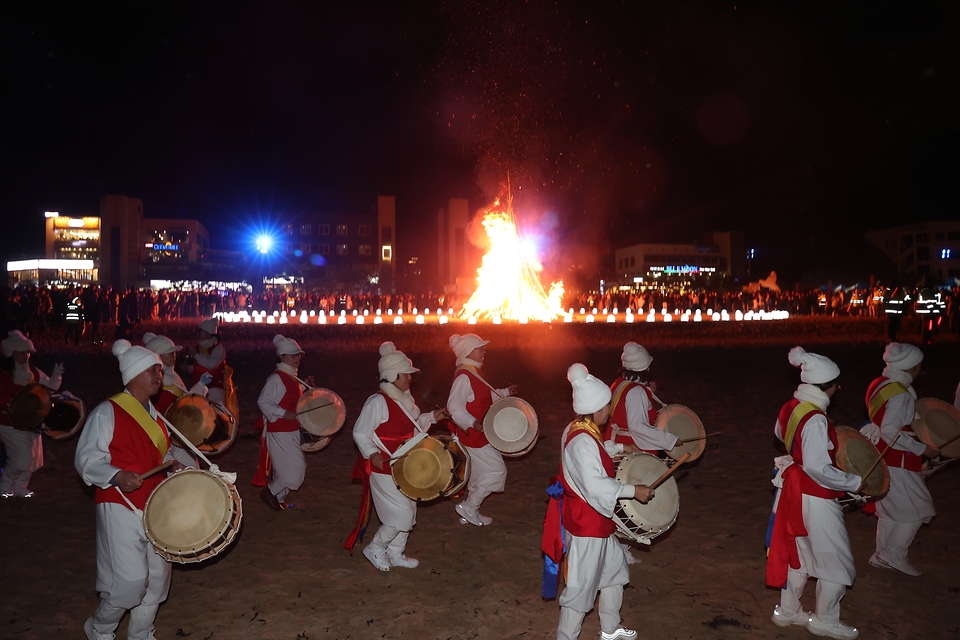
{"x": 131, "y": 449}
{"x": 878, "y": 396}
{"x": 578, "y": 517}
{"x": 620, "y": 388}
{"x": 793, "y": 417}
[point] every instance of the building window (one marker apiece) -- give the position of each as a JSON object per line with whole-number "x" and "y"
{"x": 386, "y": 253}
{"x": 305, "y": 248}
{"x": 632, "y": 261}
{"x": 923, "y": 237}
{"x": 305, "y": 229}
{"x": 365, "y": 250}
{"x": 341, "y": 249}
{"x": 288, "y": 229}
{"x": 939, "y": 235}
{"x": 323, "y": 229}
{"x": 325, "y": 249}
{"x": 341, "y": 229}
{"x": 366, "y": 230}
{"x": 923, "y": 253}
{"x": 387, "y": 233}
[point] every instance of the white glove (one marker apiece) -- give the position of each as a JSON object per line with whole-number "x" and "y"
{"x": 58, "y": 370}
{"x": 871, "y": 432}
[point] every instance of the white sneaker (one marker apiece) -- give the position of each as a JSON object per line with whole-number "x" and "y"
{"x": 403, "y": 561}
{"x": 470, "y": 516}
{"x": 781, "y": 619}
{"x": 837, "y": 630}
{"x": 484, "y": 520}
{"x": 93, "y": 634}
{"x": 621, "y": 632}
{"x": 900, "y": 564}
{"x": 379, "y": 560}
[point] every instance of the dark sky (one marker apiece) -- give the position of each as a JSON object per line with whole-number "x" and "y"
{"x": 801, "y": 123}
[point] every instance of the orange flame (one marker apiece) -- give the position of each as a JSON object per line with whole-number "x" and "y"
{"x": 508, "y": 282}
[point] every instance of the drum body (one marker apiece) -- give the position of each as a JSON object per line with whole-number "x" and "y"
{"x": 424, "y": 471}
{"x": 938, "y": 422}
{"x": 683, "y": 423}
{"x": 855, "y": 454}
{"x": 321, "y": 412}
{"x": 192, "y": 516}
{"x": 29, "y": 406}
{"x": 66, "y": 417}
{"x": 510, "y": 426}
{"x": 644, "y": 522}
{"x": 461, "y": 466}
{"x": 194, "y": 417}
{"x": 225, "y": 427}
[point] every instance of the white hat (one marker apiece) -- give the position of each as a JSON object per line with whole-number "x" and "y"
{"x": 589, "y": 394}
{"x": 133, "y": 360}
{"x": 16, "y": 341}
{"x": 160, "y": 345}
{"x": 465, "y": 344}
{"x": 814, "y": 368}
{"x": 286, "y": 346}
{"x": 210, "y": 325}
{"x": 635, "y": 357}
{"x": 393, "y": 363}
{"x": 902, "y": 356}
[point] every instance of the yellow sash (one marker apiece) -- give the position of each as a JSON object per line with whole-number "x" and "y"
{"x": 880, "y": 398}
{"x": 587, "y": 425}
{"x": 174, "y": 389}
{"x": 132, "y": 406}
{"x": 618, "y": 394}
{"x": 799, "y": 412}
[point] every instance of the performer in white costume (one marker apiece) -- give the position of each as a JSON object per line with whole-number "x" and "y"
{"x": 122, "y": 438}
{"x": 278, "y": 404}
{"x": 633, "y": 410}
{"x": 891, "y": 405}
{"x": 209, "y": 356}
{"x": 809, "y": 535}
{"x": 172, "y": 386}
{"x": 24, "y": 448}
{"x": 470, "y": 399}
{"x": 595, "y": 562}
{"x": 387, "y": 420}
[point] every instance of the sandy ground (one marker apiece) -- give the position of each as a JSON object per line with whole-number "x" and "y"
{"x": 288, "y": 576}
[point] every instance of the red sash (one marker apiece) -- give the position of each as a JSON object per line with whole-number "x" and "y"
{"x": 477, "y": 408}
{"x": 787, "y": 527}
{"x": 579, "y": 518}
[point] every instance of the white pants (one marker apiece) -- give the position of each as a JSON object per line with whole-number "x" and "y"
{"x": 608, "y": 607}
{"x": 488, "y": 474}
{"x": 397, "y": 514}
{"x": 894, "y": 538}
{"x": 289, "y": 464}
{"x": 829, "y": 595}
{"x": 24, "y": 456}
{"x": 593, "y": 565}
{"x": 130, "y": 574}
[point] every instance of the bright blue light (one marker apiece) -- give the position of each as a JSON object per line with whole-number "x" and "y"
{"x": 945, "y": 254}
{"x": 264, "y": 243}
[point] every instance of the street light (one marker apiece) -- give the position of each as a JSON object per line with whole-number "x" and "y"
{"x": 264, "y": 243}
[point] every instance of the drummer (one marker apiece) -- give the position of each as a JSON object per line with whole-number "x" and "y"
{"x": 123, "y": 437}
{"x": 470, "y": 399}
{"x": 278, "y": 404}
{"x": 809, "y": 535}
{"x": 595, "y": 562}
{"x": 24, "y": 448}
{"x": 387, "y": 420}
{"x": 209, "y": 356}
{"x": 172, "y": 386}
{"x": 634, "y": 414}
{"x": 907, "y": 505}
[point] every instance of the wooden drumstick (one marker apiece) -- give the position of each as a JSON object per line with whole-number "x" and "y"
{"x": 950, "y": 441}
{"x": 319, "y": 406}
{"x": 680, "y": 442}
{"x": 157, "y": 469}
{"x": 666, "y": 474}
{"x": 877, "y": 461}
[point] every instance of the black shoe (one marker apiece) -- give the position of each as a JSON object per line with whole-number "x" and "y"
{"x": 271, "y": 500}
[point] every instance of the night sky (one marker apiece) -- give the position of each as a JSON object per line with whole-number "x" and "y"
{"x": 801, "y": 123}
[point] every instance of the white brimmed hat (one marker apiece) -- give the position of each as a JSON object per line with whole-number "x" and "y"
{"x": 286, "y": 346}
{"x": 814, "y": 368}
{"x": 635, "y": 357}
{"x": 133, "y": 360}
{"x": 393, "y": 363}
{"x": 160, "y": 345}
{"x": 210, "y": 325}
{"x": 590, "y": 394}
{"x": 16, "y": 341}
{"x": 463, "y": 345}
{"x": 902, "y": 356}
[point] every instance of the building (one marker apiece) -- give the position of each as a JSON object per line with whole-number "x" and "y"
{"x": 457, "y": 258}
{"x": 720, "y": 254}
{"x": 930, "y": 249}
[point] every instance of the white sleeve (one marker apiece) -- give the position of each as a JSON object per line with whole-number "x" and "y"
{"x": 216, "y": 357}
{"x": 778, "y": 431}
{"x": 584, "y": 470}
{"x": 50, "y": 383}
{"x": 92, "y": 459}
{"x": 901, "y": 410}
{"x": 270, "y": 397}
{"x": 643, "y": 433}
{"x": 816, "y": 447}
{"x": 373, "y": 414}
{"x": 181, "y": 455}
{"x": 460, "y": 394}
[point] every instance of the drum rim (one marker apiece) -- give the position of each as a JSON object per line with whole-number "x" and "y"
{"x": 515, "y": 446}
{"x": 203, "y": 408}
{"x": 622, "y": 504}
{"x": 56, "y": 434}
{"x": 844, "y": 435}
{"x": 923, "y": 407}
{"x": 435, "y": 491}
{"x": 338, "y": 405}
{"x": 697, "y": 448}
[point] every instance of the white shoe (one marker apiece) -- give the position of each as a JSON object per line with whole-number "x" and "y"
{"x": 900, "y": 564}
{"x": 470, "y": 516}
{"x": 781, "y": 619}
{"x": 484, "y": 520}
{"x": 403, "y": 561}
{"x": 379, "y": 560}
{"x": 837, "y": 630}
{"x": 621, "y": 632}
{"x": 93, "y": 634}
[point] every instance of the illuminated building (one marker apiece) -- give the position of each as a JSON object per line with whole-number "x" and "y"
{"x": 720, "y": 254}
{"x": 923, "y": 249}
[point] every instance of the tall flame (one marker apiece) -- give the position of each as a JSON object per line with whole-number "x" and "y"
{"x": 508, "y": 282}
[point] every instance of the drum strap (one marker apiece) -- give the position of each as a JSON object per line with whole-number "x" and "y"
{"x": 480, "y": 376}
{"x": 800, "y": 412}
{"x": 136, "y": 410}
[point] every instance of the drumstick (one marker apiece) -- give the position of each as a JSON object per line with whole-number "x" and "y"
{"x": 715, "y": 433}
{"x": 666, "y": 474}
{"x": 950, "y": 441}
{"x": 319, "y": 406}
{"x": 157, "y": 469}
{"x": 877, "y": 461}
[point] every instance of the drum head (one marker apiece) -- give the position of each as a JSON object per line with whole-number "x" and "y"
{"x": 193, "y": 416}
{"x": 855, "y": 454}
{"x": 425, "y": 471}
{"x": 322, "y": 412}
{"x": 29, "y": 407}
{"x": 659, "y": 514}
{"x": 188, "y": 512}
{"x": 683, "y": 423}
{"x": 938, "y": 422}
{"x": 510, "y": 425}
{"x": 522, "y": 452}
{"x": 66, "y": 417}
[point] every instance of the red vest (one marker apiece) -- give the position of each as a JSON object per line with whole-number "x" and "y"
{"x": 578, "y": 517}
{"x": 131, "y": 449}
{"x": 288, "y": 403}
{"x": 216, "y": 372}
{"x": 477, "y": 408}
{"x": 8, "y": 389}
{"x": 394, "y": 432}
{"x": 619, "y": 415}
{"x": 807, "y": 484}
{"x": 164, "y": 399}
{"x": 896, "y": 458}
